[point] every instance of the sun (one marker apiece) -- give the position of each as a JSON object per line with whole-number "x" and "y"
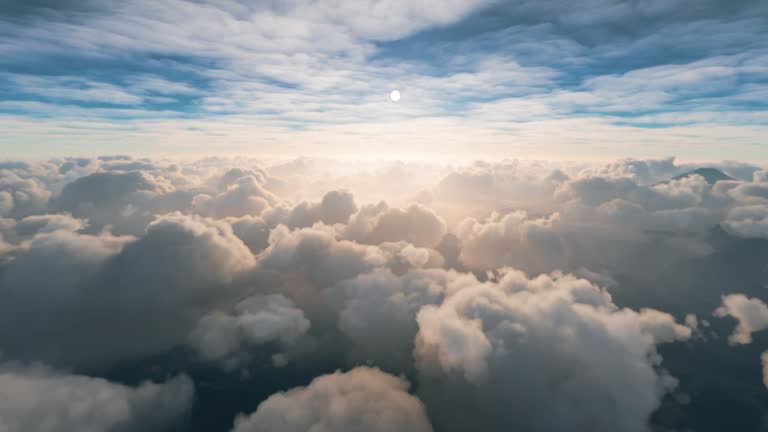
{"x": 394, "y": 96}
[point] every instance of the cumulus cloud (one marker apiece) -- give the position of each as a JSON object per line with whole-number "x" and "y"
{"x": 376, "y": 224}
{"x": 245, "y": 197}
{"x": 20, "y": 196}
{"x": 466, "y": 283}
{"x": 145, "y": 294}
{"x": 511, "y": 240}
{"x": 32, "y": 225}
{"x": 378, "y": 311}
{"x": 335, "y": 207}
{"x": 750, "y": 313}
{"x": 312, "y": 268}
{"x": 37, "y": 399}
{"x": 362, "y": 399}
{"x": 748, "y": 221}
{"x": 255, "y": 321}
{"x": 123, "y": 201}
{"x": 554, "y": 337}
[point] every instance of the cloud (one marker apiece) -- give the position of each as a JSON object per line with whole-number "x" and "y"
{"x": 751, "y": 314}
{"x": 417, "y": 224}
{"x": 513, "y": 240}
{"x": 335, "y": 207}
{"x": 378, "y": 312}
{"x": 37, "y": 399}
{"x": 552, "y": 336}
{"x": 21, "y": 196}
{"x": 362, "y": 399}
{"x": 32, "y": 225}
{"x": 565, "y": 279}
{"x": 125, "y": 201}
{"x": 134, "y": 288}
{"x": 533, "y": 68}
{"x": 246, "y": 196}
{"x": 255, "y": 321}
{"x": 74, "y": 88}
{"x": 321, "y": 275}
{"x": 764, "y": 361}
{"x": 748, "y": 221}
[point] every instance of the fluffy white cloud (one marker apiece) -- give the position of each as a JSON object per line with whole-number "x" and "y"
{"x": 511, "y": 240}
{"x": 36, "y": 399}
{"x": 21, "y": 196}
{"x": 335, "y": 207}
{"x": 360, "y": 400}
{"x": 124, "y": 201}
{"x": 376, "y": 224}
{"x": 360, "y": 298}
{"x": 378, "y": 311}
{"x": 748, "y": 221}
{"x": 238, "y": 264}
{"x": 751, "y": 314}
{"x": 551, "y": 339}
{"x": 31, "y": 225}
{"x": 245, "y": 197}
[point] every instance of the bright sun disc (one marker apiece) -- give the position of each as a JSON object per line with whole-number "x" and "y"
{"x": 394, "y": 96}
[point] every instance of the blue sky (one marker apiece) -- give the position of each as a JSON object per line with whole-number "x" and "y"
{"x": 522, "y": 78}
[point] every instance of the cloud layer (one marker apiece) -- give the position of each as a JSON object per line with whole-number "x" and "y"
{"x": 525, "y": 295}
{"x": 478, "y": 77}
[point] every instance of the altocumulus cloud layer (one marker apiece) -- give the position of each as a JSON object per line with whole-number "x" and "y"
{"x": 638, "y": 78}
{"x": 245, "y": 295}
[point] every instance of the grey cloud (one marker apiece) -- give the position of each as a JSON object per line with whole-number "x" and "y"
{"x": 21, "y": 196}
{"x": 255, "y": 321}
{"x": 102, "y": 188}
{"x": 134, "y": 288}
{"x": 36, "y": 399}
{"x": 246, "y": 197}
{"x": 335, "y": 207}
{"x": 362, "y": 399}
{"x": 125, "y": 201}
{"x": 315, "y": 277}
{"x": 32, "y": 225}
{"x": 748, "y": 221}
{"x": 378, "y": 312}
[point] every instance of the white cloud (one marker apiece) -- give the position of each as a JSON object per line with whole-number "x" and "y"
{"x": 764, "y": 361}
{"x": 549, "y": 338}
{"x": 338, "y": 266}
{"x": 417, "y": 224}
{"x": 748, "y": 221}
{"x": 751, "y": 314}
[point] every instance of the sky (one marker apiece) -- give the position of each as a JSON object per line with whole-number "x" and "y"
{"x": 214, "y": 216}
{"x": 553, "y": 79}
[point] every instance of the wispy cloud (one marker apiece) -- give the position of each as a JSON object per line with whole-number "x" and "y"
{"x": 496, "y": 73}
